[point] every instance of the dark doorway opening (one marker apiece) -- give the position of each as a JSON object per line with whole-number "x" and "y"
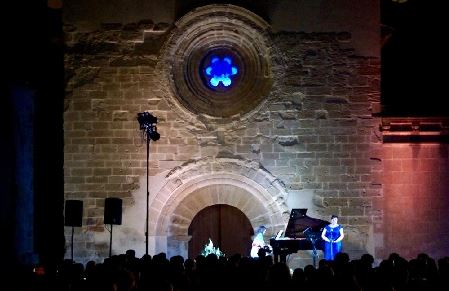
{"x": 227, "y": 227}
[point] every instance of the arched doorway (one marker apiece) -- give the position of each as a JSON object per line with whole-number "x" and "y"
{"x": 193, "y": 187}
{"x": 227, "y": 227}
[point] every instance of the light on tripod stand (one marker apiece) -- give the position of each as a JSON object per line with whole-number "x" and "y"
{"x": 148, "y": 125}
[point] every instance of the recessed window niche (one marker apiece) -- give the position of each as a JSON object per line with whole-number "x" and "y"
{"x": 218, "y": 62}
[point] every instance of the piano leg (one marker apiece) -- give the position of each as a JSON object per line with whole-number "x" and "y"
{"x": 275, "y": 256}
{"x": 283, "y": 258}
{"x": 279, "y": 256}
{"x": 314, "y": 252}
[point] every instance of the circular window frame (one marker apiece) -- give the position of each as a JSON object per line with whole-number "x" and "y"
{"x": 218, "y": 28}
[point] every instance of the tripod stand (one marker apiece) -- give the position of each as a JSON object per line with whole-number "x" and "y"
{"x": 148, "y": 125}
{"x": 112, "y": 215}
{"x": 73, "y": 217}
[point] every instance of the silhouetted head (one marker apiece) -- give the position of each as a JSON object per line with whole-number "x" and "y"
{"x": 261, "y": 252}
{"x": 131, "y": 253}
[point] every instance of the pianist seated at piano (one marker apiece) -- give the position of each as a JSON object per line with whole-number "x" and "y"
{"x": 259, "y": 247}
{"x": 332, "y": 235}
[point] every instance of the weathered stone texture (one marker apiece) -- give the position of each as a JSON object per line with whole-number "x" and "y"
{"x": 315, "y": 133}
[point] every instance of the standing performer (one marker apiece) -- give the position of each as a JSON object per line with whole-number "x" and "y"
{"x": 332, "y": 235}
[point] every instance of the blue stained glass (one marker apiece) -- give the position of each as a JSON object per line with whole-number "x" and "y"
{"x": 221, "y": 71}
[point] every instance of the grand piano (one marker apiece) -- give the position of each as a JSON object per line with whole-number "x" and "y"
{"x": 302, "y": 233}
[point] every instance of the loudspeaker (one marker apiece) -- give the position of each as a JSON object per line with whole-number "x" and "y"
{"x": 73, "y": 213}
{"x": 113, "y": 211}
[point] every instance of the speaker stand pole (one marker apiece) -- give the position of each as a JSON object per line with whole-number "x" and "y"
{"x": 72, "y": 243}
{"x": 110, "y": 242}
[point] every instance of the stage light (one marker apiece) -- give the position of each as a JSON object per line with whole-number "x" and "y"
{"x": 148, "y": 124}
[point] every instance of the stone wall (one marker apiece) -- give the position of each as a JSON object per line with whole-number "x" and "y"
{"x": 313, "y": 135}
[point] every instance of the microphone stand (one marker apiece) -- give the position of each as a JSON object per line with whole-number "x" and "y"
{"x": 312, "y": 238}
{"x": 314, "y": 252}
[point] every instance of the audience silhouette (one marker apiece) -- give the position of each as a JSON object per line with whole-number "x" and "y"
{"x": 126, "y": 272}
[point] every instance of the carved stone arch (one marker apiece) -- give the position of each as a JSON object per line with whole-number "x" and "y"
{"x": 202, "y": 183}
{"x": 224, "y": 29}
{"x": 254, "y": 201}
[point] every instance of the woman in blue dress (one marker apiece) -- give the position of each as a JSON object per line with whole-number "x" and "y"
{"x": 332, "y": 235}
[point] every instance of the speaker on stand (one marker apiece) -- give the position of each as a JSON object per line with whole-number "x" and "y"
{"x": 73, "y": 216}
{"x": 112, "y": 215}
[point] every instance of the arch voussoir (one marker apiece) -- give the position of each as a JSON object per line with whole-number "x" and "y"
{"x": 183, "y": 196}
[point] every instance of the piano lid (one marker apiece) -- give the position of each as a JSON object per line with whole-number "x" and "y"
{"x": 299, "y": 224}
